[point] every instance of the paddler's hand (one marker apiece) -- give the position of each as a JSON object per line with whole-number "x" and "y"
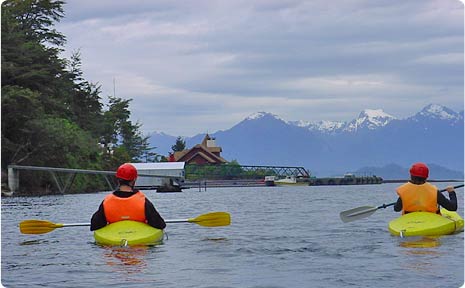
{"x": 450, "y": 189}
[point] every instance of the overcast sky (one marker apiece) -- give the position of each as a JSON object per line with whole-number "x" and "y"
{"x": 202, "y": 66}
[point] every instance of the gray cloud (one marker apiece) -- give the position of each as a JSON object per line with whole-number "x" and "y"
{"x": 203, "y": 66}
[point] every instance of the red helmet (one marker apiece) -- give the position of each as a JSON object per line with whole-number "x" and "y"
{"x": 420, "y": 170}
{"x": 126, "y": 172}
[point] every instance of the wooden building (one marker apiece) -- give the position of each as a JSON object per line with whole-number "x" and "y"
{"x": 205, "y": 153}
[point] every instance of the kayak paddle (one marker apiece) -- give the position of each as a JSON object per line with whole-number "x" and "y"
{"x": 361, "y": 212}
{"x": 365, "y": 211}
{"x": 43, "y": 226}
{"x": 212, "y": 219}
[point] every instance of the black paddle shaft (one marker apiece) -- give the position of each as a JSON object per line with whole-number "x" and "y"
{"x": 386, "y": 205}
{"x": 455, "y": 187}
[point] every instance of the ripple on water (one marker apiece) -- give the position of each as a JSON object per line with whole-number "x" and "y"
{"x": 278, "y": 238}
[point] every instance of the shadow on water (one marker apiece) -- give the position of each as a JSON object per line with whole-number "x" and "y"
{"x": 217, "y": 239}
{"x": 37, "y": 242}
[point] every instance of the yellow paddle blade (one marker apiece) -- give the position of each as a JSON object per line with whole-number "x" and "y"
{"x": 37, "y": 226}
{"x": 212, "y": 219}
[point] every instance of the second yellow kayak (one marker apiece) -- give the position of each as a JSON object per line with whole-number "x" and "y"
{"x": 426, "y": 224}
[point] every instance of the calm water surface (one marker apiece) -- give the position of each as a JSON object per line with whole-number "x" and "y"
{"x": 279, "y": 237}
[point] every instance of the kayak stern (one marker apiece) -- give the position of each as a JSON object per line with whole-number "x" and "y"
{"x": 426, "y": 224}
{"x": 128, "y": 233}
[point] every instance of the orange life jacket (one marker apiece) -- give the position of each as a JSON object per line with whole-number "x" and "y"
{"x": 131, "y": 208}
{"x": 415, "y": 198}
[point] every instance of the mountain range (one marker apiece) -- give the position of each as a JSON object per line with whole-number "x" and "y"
{"x": 374, "y": 139}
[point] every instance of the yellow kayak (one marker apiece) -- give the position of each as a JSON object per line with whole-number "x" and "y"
{"x": 426, "y": 224}
{"x": 128, "y": 233}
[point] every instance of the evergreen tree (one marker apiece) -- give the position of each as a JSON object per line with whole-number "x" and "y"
{"x": 180, "y": 145}
{"x": 30, "y": 48}
{"x": 52, "y": 116}
{"x": 123, "y": 137}
{"x": 31, "y": 82}
{"x": 85, "y": 98}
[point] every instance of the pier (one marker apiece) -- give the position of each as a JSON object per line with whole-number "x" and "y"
{"x": 64, "y": 182}
{"x": 346, "y": 180}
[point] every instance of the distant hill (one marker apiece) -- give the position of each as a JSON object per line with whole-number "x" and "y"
{"x": 374, "y": 139}
{"x": 162, "y": 142}
{"x": 394, "y": 171}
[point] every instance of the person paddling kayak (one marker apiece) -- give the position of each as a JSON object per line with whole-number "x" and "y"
{"x": 419, "y": 195}
{"x": 126, "y": 203}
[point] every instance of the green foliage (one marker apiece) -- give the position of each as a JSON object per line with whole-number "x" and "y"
{"x": 180, "y": 145}
{"x": 27, "y": 61}
{"x": 119, "y": 131}
{"x": 35, "y": 18}
{"x": 52, "y": 116}
{"x": 84, "y": 98}
{"x": 19, "y": 106}
{"x": 231, "y": 170}
{"x": 61, "y": 141}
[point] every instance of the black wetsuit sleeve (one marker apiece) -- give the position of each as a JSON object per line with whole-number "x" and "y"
{"x": 398, "y": 205}
{"x": 98, "y": 219}
{"x": 449, "y": 204}
{"x": 153, "y": 218}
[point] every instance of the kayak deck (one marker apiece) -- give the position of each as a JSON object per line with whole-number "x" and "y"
{"x": 128, "y": 233}
{"x": 426, "y": 224}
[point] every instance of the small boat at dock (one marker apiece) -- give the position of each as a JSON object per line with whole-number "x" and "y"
{"x": 290, "y": 180}
{"x": 270, "y": 181}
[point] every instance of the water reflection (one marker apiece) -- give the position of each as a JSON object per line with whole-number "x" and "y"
{"x": 419, "y": 242}
{"x": 127, "y": 259}
{"x": 421, "y": 253}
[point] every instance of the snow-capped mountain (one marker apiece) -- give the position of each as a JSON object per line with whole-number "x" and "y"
{"x": 324, "y": 126}
{"x": 259, "y": 115}
{"x": 368, "y": 119}
{"x": 374, "y": 138}
{"x": 327, "y": 126}
{"x": 437, "y": 112}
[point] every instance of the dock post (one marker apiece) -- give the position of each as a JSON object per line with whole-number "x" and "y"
{"x": 13, "y": 179}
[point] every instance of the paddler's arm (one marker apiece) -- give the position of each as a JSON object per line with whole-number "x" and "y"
{"x": 451, "y": 203}
{"x": 398, "y": 205}
{"x": 153, "y": 218}
{"x": 98, "y": 219}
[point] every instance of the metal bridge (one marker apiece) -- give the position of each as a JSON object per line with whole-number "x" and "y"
{"x": 231, "y": 171}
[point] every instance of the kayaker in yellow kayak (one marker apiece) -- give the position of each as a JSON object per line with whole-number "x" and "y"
{"x": 126, "y": 203}
{"x": 419, "y": 195}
